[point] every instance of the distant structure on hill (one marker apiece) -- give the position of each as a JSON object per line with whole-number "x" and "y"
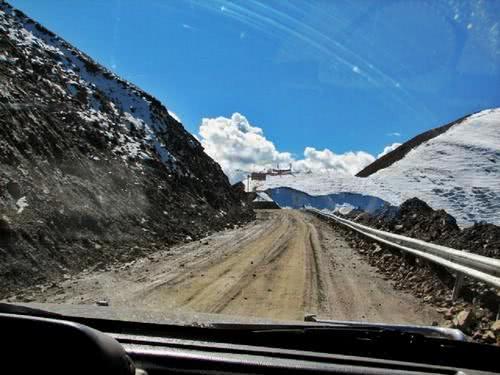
{"x": 258, "y": 176}
{"x": 261, "y": 176}
{"x": 280, "y": 172}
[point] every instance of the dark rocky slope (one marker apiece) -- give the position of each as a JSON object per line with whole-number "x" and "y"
{"x": 92, "y": 169}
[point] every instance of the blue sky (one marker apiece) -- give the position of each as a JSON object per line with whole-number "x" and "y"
{"x": 342, "y": 75}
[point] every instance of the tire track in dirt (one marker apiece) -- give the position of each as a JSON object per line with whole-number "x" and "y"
{"x": 199, "y": 262}
{"x": 317, "y": 292}
{"x": 354, "y": 290}
{"x": 277, "y": 287}
{"x": 216, "y": 282}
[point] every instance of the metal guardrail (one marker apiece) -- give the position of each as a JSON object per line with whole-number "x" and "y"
{"x": 463, "y": 263}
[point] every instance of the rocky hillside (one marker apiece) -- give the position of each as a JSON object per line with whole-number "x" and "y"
{"x": 92, "y": 168}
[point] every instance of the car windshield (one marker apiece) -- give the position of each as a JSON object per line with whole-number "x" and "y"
{"x": 259, "y": 161}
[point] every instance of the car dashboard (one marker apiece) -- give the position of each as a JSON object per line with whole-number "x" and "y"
{"x": 113, "y": 347}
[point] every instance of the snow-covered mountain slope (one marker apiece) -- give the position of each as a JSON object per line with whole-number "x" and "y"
{"x": 401, "y": 151}
{"x": 91, "y": 166}
{"x": 458, "y": 171}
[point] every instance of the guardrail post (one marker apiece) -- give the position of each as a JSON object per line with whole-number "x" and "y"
{"x": 459, "y": 281}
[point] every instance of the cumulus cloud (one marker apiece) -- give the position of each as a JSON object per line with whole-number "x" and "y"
{"x": 240, "y": 148}
{"x": 388, "y": 149}
{"x": 326, "y": 160}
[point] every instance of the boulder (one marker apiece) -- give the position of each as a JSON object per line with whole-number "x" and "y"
{"x": 489, "y": 337}
{"x": 495, "y": 327}
{"x": 464, "y": 320}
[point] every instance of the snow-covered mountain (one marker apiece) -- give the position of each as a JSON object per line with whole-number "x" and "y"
{"x": 91, "y": 166}
{"x": 458, "y": 170}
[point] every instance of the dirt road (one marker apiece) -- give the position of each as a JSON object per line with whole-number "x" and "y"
{"x": 284, "y": 265}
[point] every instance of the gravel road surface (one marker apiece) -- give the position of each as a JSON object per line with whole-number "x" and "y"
{"x": 282, "y": 266}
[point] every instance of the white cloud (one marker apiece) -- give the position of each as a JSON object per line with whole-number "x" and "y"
{"x": 394, "y": 134}
{"x": 388, "y": 149}
{"x": 240, "y": 148}
{"x": 326, "y": 160}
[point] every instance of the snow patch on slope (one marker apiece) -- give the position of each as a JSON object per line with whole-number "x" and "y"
{"x": 262, "y": 197}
